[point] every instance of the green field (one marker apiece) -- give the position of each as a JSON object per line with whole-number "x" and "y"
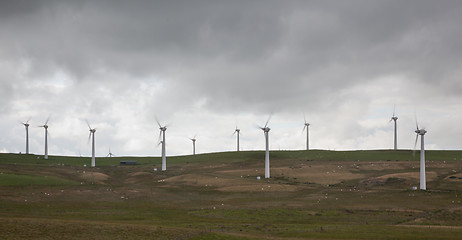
{"x": 311, "y": 195}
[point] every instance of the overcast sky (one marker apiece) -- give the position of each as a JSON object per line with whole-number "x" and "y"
{"x": 203, "y": 67}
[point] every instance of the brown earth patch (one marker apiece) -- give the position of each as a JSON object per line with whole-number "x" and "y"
{"x": 317, "y": 174}
{"x": 138, "y": 174}
{"x": 413, "y": 176}
{"x": 260, "y": 188}
{"x": 320, "y": 174}
{"x": 454, "y": 177}
{"x": 95, "y": 177}
{"x": 234, "y": 184}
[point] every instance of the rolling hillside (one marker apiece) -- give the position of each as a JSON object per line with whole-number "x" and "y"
{"x": 311, "y": 194}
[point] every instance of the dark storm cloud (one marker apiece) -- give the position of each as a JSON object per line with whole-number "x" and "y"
{"x": 227, "y": 57}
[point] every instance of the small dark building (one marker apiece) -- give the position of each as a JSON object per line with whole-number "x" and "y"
{"x": 127, "y": 162}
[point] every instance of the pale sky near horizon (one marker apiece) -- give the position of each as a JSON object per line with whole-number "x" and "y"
{"x": 203, "y": 67}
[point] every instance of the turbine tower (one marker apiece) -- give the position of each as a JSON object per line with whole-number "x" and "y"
{"x": 266, "y": 130}
{"x": 394, "y": 118}
{"x": 162, "y": 134}
{"x": 92, "y": 135}
{"x": 26, "y": 125}
{"x": 237, "y": 132}
{"x": 421, "y": 132}
{"x": 194, "y": 144}
{"x": 307, "y": 125}
{"x": 45, "y": 126}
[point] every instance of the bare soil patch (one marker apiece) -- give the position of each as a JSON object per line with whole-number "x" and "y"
{"x": 407, "y": 176}
{"x": 329, "y": 174}
{"x": 454, "y": 177}
{"x": 95, "y": 177}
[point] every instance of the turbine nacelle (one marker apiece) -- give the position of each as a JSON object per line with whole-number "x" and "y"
{"x": 93, "y": 130}
{"x": 44, "y": 125}
{"x": 265, "y": 129}
{"x": 26, "y": 124}
{"x": 420, "y": 131}
{"x": 394, "y": 118}
{"x": 163, "y": 129}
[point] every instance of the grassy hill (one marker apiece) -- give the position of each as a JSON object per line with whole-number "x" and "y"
{"x": 312, "y": 194}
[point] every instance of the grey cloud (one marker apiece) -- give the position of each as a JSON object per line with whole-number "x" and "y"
{"x": 171, "y": 58}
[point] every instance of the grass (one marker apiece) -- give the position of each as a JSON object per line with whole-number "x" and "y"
{"x": 312, "y": 195}
{"x": 18, "y": 180}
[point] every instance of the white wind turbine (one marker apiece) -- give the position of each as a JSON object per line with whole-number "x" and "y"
{"x": 45, "y": 126}
{"x": 92, "y": 135}
{"x": 26, "y": 125}
{"x": 394, "y": 118}
{"x": 266, "y": 130}
{"x": 110, "y": 153}
{"x": 237, "y": 132}
{"x": 307, "y": 125}
{"x": 194, "y": 144}
{"x": 162, "y": 134}
{"x": 421, "y": 132}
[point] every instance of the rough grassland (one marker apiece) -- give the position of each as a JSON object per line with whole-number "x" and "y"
{"x": 311, "y": 195}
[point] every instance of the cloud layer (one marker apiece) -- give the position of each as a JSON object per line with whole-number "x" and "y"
{"x": 206, "y": 66}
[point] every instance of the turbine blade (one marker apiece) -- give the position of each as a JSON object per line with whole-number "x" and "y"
{"x": 48, "y": 119}
{"x": 394, "y": 106}
{"x": 88, "y": 124}
{"x": 267, "y": 121}
{"x": 160, "y": 135}
{"x": 28, "y": 121}
{"x": 158, "y": 123}
{"x": 415, "y": 144}
{"x": 89, "y": 136}
{"x": 304, "y": 126}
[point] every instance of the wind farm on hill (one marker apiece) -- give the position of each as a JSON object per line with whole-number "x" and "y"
{"x": 306, "y": 194}
{"x": 266, "y": 130}
{"x": 313, "y": 194}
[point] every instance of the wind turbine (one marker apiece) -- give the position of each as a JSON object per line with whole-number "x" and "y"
{"x": 110, "y": 153}
{"x": 162, "y": 133}
{"x": 238, "y": 131}
{"x": 45, "y": 126}
{"x": 266, "y": 130}
{"x": 92, "y": 135}
{"x": 421, "y": 132}
{"x": 394, "y": 118}
{"x": 194, "y": 144}
{"x": 26, "y": 125}
{"x": 307, "y": 125}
